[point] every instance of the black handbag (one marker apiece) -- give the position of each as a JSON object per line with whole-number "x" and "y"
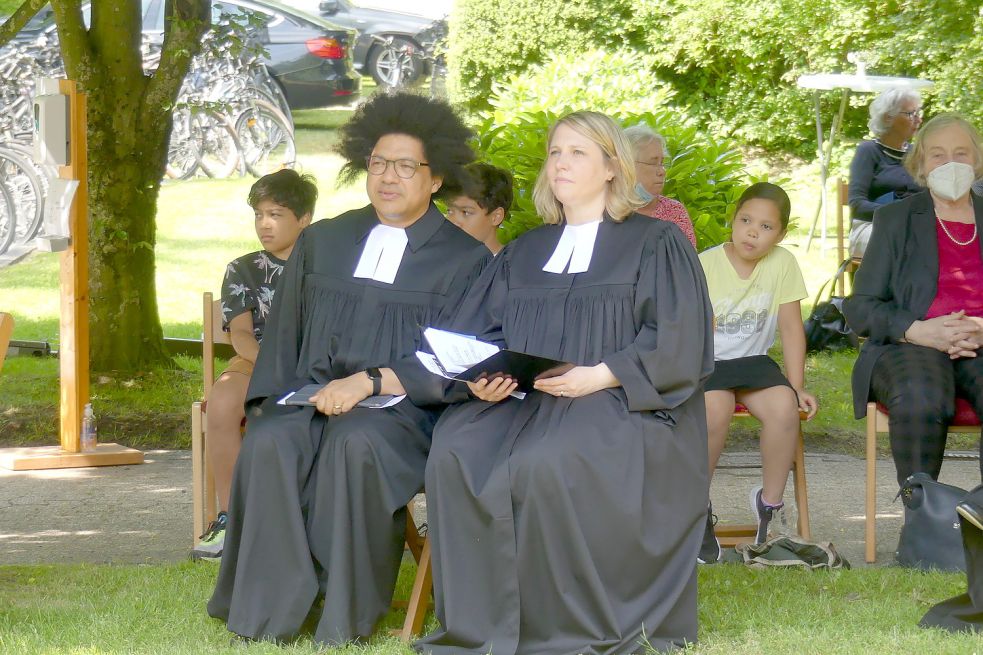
{"x": 930, "y": 538}
{"x": 826, "y": 328}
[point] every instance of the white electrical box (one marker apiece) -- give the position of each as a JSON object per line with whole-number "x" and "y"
{"x": 50, "y": 124}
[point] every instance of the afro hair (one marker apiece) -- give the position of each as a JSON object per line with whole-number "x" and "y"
{"x": 442, "y": 132}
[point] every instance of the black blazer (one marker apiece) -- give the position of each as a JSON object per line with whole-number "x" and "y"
{"x": 896, "y": 282}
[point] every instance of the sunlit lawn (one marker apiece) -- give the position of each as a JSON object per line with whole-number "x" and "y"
{"x": 159, "y": 609}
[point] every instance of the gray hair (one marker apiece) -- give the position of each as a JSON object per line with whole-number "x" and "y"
{"x": 641, "y": 135}
{"x": 886, "y": 108}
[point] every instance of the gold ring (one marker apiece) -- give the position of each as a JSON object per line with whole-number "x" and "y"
{"x": 337, "y": 406}
{"x": 563, "y": 393}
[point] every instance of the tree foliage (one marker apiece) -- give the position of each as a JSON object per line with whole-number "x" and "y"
{"x": 731, "y": 65}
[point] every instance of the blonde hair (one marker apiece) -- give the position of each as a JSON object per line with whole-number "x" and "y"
{"x": 914, "y": 159}
{"x": 622, "y": 199}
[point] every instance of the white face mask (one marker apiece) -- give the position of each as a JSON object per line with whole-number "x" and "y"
{"x": 951, "y": 181}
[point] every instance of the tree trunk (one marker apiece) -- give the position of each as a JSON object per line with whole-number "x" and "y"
{"x": 125, "y": 167}
{"x": 129, "y": 122}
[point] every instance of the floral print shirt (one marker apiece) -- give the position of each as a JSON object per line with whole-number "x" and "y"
{"x": 667, "y": 209}
{"x": 248, "y": 286}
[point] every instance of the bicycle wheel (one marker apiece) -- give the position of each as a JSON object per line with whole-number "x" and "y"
{"x": 218, "y": 144}
{"x": 266, "y": 137}
{"x": 21, "y": 181}
{"x": 183, "y": 156}
{"x": 8, "y": 220}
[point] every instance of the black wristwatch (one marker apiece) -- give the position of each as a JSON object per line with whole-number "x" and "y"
{"x": 376, "y": 376}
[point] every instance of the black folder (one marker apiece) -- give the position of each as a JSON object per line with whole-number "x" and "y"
{"x": 521, "y": 367}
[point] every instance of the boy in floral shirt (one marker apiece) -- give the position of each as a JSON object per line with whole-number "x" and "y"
{"x": 283, "y": 203}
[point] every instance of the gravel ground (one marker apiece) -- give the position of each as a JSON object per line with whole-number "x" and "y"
{"x": 140, "y": 514}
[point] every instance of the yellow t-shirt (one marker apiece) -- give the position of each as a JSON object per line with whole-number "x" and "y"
{"x": 745, "y": 312}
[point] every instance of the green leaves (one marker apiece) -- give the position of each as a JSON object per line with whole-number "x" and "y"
{"x": 729, "y": 66}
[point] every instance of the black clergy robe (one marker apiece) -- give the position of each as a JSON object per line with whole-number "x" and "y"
{"x": 317, "y": 502}
{"x": 562, "y": 526}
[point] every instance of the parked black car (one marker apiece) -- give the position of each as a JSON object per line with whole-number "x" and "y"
{"x": 371, "y": 56}
{"x": 309, "y": 57}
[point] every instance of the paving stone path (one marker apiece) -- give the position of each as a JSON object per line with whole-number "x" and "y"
{"x": 142, "y": 514}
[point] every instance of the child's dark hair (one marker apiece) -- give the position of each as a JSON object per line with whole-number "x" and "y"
{"x": 287, "y": 188}
{"x": 489, "y": 186}
{"x": 768, "y": 191}
{"x": 442, "y": 132}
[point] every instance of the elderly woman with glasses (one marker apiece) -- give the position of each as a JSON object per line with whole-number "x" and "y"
{"x": 876, "y": 174}
{"x": 649, "y": 150}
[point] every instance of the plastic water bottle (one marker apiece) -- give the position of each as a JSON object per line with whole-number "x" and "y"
{"x": 88, "y": 429}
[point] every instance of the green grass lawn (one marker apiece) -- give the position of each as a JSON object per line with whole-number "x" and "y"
{"x": 159, "y": 609}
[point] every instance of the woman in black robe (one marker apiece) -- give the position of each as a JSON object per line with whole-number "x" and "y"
{"x": 569, "y": 522}
{"x": 319, "y": 493}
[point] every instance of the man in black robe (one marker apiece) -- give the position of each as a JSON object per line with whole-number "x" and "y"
{"x": 319, "y": 492}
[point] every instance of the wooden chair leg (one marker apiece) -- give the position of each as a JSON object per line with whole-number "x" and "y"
{"x": 416, "y": 610}
{"x": 870, "y": 509}
{"x": 211, "y": 498}
{"x": 413, "y": 539}
{"x": 197, "y": 472}
{"x": 801, "y": 493}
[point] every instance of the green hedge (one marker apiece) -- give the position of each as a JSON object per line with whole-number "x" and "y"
{"x": 731, "y": 65}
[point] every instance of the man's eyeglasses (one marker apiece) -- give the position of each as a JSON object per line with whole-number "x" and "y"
{"x": 912, "y": 115}
{"x": 405, "y": 168}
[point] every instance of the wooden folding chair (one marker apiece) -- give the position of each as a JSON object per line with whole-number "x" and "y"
{"x": 204, "y": 502}
{"x": 965, "y": 420}
{"x": 6, "y": 330}
{"x": 843, "y": 227}
{"x": 419, "y": 601}
{"x": 732, "y": 535}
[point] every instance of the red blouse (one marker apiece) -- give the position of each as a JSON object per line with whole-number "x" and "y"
{"x": 673, "y": 211}
{"x": 960, "y": 271}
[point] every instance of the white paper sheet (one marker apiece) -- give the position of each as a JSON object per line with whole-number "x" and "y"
{"x": 457, "y": 353}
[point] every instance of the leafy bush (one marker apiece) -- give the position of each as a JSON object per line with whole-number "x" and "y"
{"x": 705, "y": 174}
{"x": 732, "y": 65}
{"x": 613, "y": 82}
{"x": 491, "y": 40}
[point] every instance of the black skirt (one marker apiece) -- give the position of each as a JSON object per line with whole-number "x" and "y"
{"x": 756, "y": 372}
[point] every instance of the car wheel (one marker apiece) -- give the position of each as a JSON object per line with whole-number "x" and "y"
{"x": 384, "y": 59}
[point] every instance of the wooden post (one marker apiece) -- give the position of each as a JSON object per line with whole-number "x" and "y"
{"x": 74, "y": 277}
{"x": 73, "y": 351}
